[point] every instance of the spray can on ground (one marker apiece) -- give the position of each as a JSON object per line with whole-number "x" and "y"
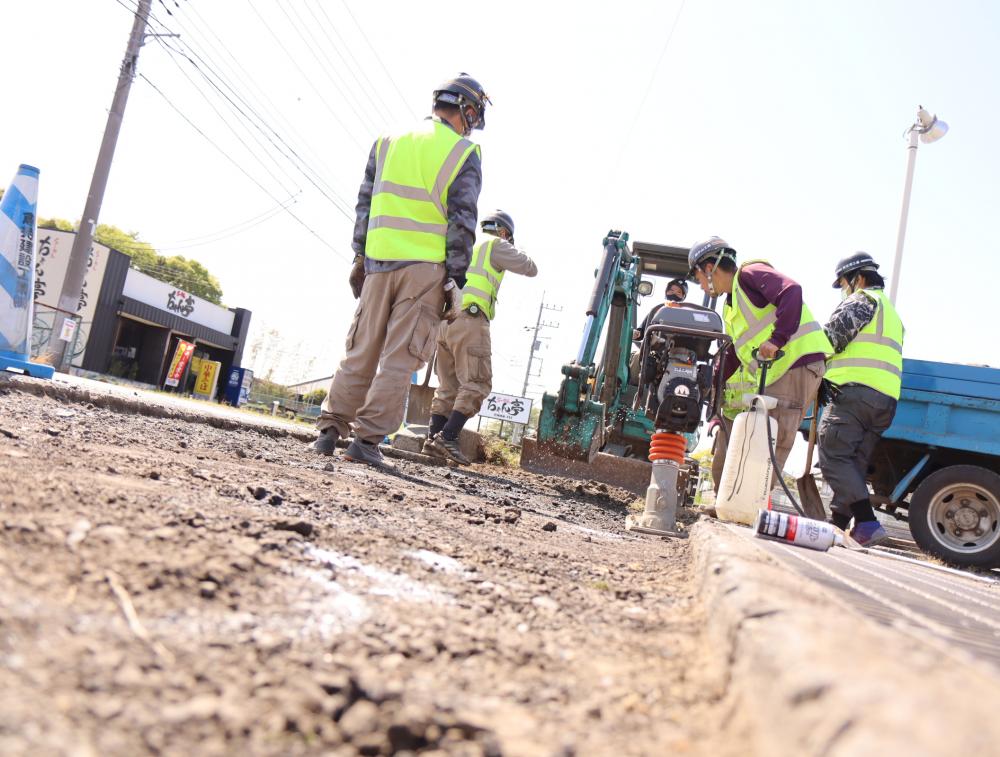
{"x": 794, "y": 529}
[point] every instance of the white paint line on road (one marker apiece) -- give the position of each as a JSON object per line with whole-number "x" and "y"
{"x": 381, "y": 582}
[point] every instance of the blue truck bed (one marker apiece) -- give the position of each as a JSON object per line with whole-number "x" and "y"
{"x": 949, "y": 406}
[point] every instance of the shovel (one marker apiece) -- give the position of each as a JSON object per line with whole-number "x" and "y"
{"x": 809, "y": 497}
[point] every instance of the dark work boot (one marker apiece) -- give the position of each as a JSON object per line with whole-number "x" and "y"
{"x": 326, "y": 442}
{"x": 360, "y": 451}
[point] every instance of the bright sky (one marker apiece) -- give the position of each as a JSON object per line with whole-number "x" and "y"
{"x": 777, "y": 125}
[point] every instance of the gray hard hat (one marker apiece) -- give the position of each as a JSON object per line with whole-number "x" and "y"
{"x": 713, "y": 247}
{"x": 496, "y": 220}
{"x": 461, "y": 91}
{"x": 856, "y": 263}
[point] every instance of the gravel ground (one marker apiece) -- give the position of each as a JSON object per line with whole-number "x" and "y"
{"x": 171, "y": 588}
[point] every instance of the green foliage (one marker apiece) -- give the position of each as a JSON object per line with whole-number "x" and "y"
{"x": 315, "y": 397}
{"x": 59, "y": 224}
{"x": 263, "y": 387}
{"x": 189, "y": 275}
{"x": 500, "y": 452}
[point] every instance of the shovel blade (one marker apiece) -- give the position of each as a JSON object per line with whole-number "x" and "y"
{"x": 809, "y": 497}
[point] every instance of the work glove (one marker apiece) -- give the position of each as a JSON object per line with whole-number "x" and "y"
{"x": 452, "y": 300}
{"x": 357, "y": 276}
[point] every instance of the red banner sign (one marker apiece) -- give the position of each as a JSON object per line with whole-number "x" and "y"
{"x": 181, "y": 357}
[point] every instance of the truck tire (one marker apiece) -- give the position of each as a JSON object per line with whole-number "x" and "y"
{"x": 955, "y": 515}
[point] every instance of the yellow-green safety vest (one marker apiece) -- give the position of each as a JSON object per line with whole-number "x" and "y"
{"x": 408, "y": 219}
{"x": 875, "y": 356}
{"x": 739, "y": 384}
{"x": 482, "y": 280}
{"x": 751, "y": 326}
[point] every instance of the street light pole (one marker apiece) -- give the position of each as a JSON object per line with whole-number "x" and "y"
{"x": 76, "y": 270}
{"x": 929, "y": 129}
{"x": 911, "y": 161}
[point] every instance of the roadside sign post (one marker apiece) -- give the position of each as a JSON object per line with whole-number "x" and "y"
{"x": 507, "y": 408}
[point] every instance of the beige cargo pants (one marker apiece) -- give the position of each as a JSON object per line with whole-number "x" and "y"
{"x": 464, "y": 367}
{"x": 391, "y": 336}
{"x": 795, "y": 392}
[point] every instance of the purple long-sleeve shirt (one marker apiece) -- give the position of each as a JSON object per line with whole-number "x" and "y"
{"x": 763, "y": 285}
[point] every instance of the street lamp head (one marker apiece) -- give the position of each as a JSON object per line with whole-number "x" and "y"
{"x": 929, "y": 126}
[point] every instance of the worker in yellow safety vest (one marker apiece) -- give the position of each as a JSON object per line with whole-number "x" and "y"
{"x": 862, "y": 382}
{"x": 764, "y": 311}
{"x": 464, "y": 350}
{"x": 413, "y": 237}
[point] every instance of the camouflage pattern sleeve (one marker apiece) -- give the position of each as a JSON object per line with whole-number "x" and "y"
{"x": 852, "y": 315}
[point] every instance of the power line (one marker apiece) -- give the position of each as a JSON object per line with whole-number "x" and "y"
{"x": 378, "y": 58}
{"x": 645, "y": 95}
{"x": 249, "y": 81}
{"x": 368, "y": 90}
{"x": 342, "y": 205}
{"x": 222, "y": 118}
{"x": 241, "y": 169}
{"x": 234, "y": 230}
{"x": 315, "y": 45}
{"x": 306, "y": 77}
{"x": 337, "y": 201}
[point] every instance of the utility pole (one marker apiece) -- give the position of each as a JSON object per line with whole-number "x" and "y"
{"x": 535, "y": 343}
{"x": 76, "y": 271}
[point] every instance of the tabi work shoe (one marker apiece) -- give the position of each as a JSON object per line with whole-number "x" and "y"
{"x": 326, "y": 442}
{"x": 869, "y": 533}
{"x": 446, "y": 448}
{"x": 368, "y": 453}
{"x": 429, "y": 449}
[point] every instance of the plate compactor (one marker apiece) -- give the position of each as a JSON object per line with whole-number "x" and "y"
{"x": 607, "y": 421}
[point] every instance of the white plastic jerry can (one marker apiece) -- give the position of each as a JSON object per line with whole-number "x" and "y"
{"x": 747, "y": 473}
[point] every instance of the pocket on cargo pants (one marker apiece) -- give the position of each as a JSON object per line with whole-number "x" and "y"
{"x": 480, "y": 364}
{"x": 424, "y": 338}
{"x": 353, "y": 328}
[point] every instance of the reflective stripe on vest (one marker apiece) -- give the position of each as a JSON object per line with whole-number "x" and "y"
{"x": 482, "y": 280}
{"x": 874, "y": 357}
{"x": 750, "y": 327}
{"x": 408, "y": 219}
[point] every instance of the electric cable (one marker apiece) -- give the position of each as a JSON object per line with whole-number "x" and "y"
{"x": 243, "y": 170}
{"x": 378, "y": 58}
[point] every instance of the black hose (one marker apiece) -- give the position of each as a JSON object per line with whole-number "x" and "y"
{"x": 777, "y": 469}
{"x": 764, "y": 365}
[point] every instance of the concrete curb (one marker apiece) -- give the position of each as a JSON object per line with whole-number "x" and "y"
{"x": 801, "y": 673}
{"x": 142, "y": 406}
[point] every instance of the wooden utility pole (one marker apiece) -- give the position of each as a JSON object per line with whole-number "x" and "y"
{"x": 76, "y": 270}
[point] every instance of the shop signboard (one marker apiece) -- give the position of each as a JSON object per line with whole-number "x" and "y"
{"x": 182, "y": 355}
{"x": 208, "y": 377}
{"x": 506, "y": 407}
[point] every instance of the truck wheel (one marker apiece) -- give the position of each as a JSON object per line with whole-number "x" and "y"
{"x": 955, "y": 514}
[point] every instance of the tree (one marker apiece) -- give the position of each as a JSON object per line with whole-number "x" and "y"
{"x": 189, "y": 275}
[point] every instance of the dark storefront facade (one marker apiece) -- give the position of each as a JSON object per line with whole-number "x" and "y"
{"x": 138, "y": 321}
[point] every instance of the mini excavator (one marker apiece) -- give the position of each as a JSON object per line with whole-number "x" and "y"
{"x": 606, "y": 421}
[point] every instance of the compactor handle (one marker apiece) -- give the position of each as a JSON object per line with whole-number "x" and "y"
{"x": 764, "y": 365}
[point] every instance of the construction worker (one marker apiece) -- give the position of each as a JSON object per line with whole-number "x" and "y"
{"x": 464, "y": 368}
{"x": 677, "y": 291}
{"x": 416, "y": 223}
{"x": 764, "y": 311}
{"x": 862, "y": 381}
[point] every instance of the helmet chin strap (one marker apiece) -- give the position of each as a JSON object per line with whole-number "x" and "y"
{"x": 711, "y": 276}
